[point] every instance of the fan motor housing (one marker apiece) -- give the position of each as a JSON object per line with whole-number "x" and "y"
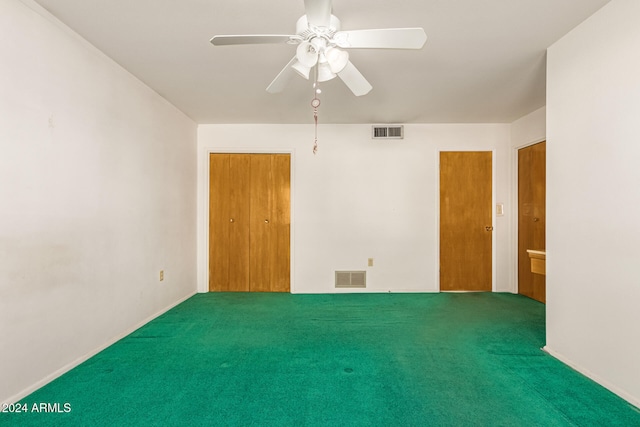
{"x": 302, "y": 26}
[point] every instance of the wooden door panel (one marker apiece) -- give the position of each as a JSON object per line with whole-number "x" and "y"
{"x": 260, "y": 222}
{"x": 239, "y": 205}
{"x": 465, "y": 213}
{"x": 218, "y": 222}
{"x": 531, "y": 217}
{"x": 280, "y": 223}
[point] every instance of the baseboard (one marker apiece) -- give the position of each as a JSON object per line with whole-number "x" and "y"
{"x": 634, "y": 400}
{"x": 46, "y": 380}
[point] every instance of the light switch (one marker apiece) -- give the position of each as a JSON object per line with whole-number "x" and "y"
{"x": 500, "y": 209}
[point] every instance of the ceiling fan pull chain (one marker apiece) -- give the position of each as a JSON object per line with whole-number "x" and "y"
{"x": 315, "y": 103}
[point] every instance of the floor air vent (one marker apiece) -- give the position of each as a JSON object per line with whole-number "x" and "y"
{"x": 351, "y": 279}
{"x": 387, "y": 132}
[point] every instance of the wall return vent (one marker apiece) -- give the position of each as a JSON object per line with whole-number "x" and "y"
{"x": 351, "y": 279}
{"x": 387, "y": 131}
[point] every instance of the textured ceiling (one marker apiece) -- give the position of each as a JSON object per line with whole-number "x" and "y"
{"x": 484, "y": 60}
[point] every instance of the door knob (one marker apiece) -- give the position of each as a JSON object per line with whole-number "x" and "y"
{"x": 488, "y": 228}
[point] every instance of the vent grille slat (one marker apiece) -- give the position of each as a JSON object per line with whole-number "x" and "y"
{"x": 387, "y": 132}
{"x": 380, "y": 132}
{"x": 395, "y": 132}
{"x": 351, "y": 279}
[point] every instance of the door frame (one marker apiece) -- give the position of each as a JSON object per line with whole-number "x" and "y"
{"x": 493, "y": 211}
{"x": 514, "y": 209}
{"x": 202, "y": 266}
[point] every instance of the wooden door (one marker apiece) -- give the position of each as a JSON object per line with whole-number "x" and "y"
{"x": 249, "y": 222}
{"x": 531, "y": 217}
{"x": 466, "y": 221}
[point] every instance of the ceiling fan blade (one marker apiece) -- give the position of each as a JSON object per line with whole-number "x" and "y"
{"x": 278, "y": 84}
{"x": 355, "y": 80}
{"x": 386, "y": 38}
{"x": 318, "y": 12}
{"x": 249, "y": 39}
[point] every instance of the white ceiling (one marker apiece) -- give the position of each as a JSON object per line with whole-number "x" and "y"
{"x": 484, "y": 60}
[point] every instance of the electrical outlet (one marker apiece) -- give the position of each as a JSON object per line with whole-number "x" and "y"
{"x": 161, "y": 275}
{"x": 370, "y": 262}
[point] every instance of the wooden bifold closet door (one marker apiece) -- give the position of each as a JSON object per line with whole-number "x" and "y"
{"x": 249, "y": 222}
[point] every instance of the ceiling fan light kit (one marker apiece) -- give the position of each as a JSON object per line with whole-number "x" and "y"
{"x": 321, "y": 47}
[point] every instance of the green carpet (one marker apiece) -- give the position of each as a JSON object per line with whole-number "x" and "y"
{"x": 332, "y": 360}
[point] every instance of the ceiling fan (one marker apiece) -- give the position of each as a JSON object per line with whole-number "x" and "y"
{"x": 322, "y": 44}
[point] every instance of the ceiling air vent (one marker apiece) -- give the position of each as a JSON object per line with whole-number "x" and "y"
{"x": 387, "y": 132}
{"x": 351, "y": 279}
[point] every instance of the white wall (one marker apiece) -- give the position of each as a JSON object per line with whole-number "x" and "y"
{"x": 97, "y": 194}
{"x": 525, "y": 131}
{"x": 593, "y": 205}
{"x": 529, "y": 129}
{"x": 358, "y": 199}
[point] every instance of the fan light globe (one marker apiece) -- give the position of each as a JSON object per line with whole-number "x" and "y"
{"x": 337, "y": 59}
{"x": 307, "y": 54}
{"x": 325, "y": 73}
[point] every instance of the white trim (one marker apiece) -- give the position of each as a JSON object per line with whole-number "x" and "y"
{"x": 494, "y": 231}
{"x": 69, "y": 366}
{"x": 587, "y": 373}
{"x": 514, "y": 208}
{"x": 494, "y": 249}
{"x": 203, "y": 209}
{"x": 437, "y": 217}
